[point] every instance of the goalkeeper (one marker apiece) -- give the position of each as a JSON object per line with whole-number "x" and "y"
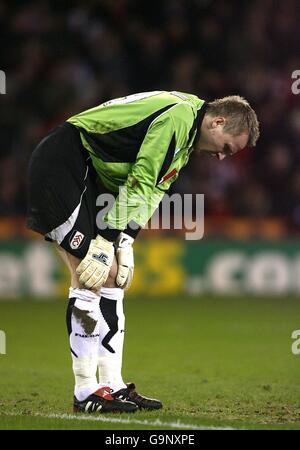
{"x": 139, "y": 142}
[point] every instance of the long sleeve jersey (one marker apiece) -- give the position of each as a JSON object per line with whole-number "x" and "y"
{"x": 139, "y": 142}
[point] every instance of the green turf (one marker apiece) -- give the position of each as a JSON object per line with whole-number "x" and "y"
{"x": 214, "y": 362}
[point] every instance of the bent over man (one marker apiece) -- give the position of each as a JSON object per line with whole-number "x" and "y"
{"x": 139, "y": 143}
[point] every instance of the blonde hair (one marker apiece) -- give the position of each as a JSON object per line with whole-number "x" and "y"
{"x": 241, "y": 118}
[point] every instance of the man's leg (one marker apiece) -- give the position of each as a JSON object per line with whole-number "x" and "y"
{"x": 84, "y": 324}
{"x": 112, "y": 328}
{"x": 110, "y": 339}
{"x": 83, "y": 328}
{"x": 109, "y": 332}
{"x": 62, "y": 193}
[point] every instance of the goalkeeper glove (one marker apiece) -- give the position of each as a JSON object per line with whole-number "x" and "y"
{"x": 124, "y": 254}
{"x": 96, "y": 265}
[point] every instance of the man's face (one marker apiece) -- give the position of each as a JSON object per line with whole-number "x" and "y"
{"x": 218, "y": 143}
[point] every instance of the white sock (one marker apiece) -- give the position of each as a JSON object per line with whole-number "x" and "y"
{"x": 83, "y": 325}
{"x": 112, "y": 323}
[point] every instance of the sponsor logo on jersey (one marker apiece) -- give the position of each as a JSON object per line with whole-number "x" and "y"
{"x": 76, "y": 240}
{"x": 169, "y": 175}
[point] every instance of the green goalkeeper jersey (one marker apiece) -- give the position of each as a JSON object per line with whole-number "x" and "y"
{"x": 140, "y": 142}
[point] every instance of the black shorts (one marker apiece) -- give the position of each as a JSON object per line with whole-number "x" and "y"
{"x": 62, "y": 191}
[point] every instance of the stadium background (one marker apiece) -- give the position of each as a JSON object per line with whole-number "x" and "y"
{"x": 233, "y": 294}
{"x": 60, "y": 58}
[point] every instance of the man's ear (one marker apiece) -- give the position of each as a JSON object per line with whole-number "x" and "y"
{"x": 218, "y": 121}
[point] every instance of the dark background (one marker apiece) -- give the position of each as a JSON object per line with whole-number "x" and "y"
{"x": 64, "y": 57}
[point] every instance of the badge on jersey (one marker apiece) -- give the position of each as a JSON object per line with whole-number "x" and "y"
{"x": 76, "y": 240}
{"x": 169, "y": 175}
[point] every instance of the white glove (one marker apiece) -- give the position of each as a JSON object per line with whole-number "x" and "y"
{"x": 124, "y": 254}
{"x": 96, "y": 265}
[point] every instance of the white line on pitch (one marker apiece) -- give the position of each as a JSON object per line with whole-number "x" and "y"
{"x": 150, "y": 423}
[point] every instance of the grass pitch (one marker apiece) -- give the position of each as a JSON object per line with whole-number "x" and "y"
{"x": 214, "y": 362}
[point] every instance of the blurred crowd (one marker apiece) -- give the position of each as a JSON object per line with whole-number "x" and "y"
{"x": 64, "y": 57}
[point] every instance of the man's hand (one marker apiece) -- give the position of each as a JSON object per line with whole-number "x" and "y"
{"x": 124, "y": 254}
{"x": 95, "y": 266}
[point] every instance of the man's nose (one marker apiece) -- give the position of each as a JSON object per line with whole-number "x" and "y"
{"x": 221, "y": 156}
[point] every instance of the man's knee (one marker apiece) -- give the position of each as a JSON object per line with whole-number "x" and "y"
{"x": 72, "y": 263}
